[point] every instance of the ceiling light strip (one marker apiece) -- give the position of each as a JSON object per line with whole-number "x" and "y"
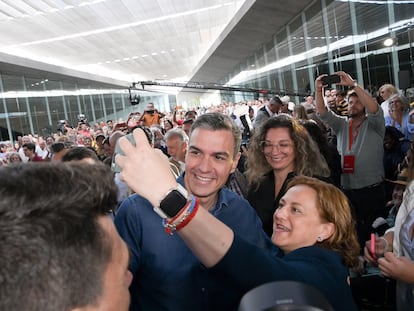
{"x": 114, "y": 28}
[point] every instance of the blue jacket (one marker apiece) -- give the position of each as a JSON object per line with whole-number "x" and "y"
{"x": 313, "y": 265}
{"x": 167, "y": 276}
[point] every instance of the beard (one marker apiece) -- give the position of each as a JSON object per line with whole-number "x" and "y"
{"x": 355, "y": 113}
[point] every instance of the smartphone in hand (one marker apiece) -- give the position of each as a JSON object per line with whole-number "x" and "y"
{"x": 332, "y": 79}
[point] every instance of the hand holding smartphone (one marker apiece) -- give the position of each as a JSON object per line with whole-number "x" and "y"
{"x": 332, "y": 79}
{"x": 378, "y": 246}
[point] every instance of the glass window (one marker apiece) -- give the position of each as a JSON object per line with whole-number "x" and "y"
{"x": 296, "y": 38}
{"x": 270, "y": 52}
{"x": 282, "y": 45}
{"x": 371, "y": 17}
{"x": 57, "y": 111}
{"x": 316, "y": 34}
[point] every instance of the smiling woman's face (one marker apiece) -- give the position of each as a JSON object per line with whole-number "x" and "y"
{"x": 279, "y": 149}
{"x": 297, "y": 222}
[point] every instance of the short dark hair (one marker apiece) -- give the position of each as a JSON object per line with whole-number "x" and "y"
{"x": 79, "y": 153}
{"x": 188, "y": 121}
{"x": 216, "y": 121}
{"x": 275, "y": 100}
{"x": 189, "y": 113}
{"x": 54, "y": 252}
{"x": 341, "y": 93}
{"x": 59, "y": 146}
{"x": 30, "y": 146}
{"x": 352, "y": 93}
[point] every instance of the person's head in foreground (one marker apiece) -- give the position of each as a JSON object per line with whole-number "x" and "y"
{"x": 60, "y": 251}
{"x": 313, "y": 212}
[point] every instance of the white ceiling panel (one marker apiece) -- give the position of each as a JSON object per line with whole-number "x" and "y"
{"x": 149, "y": 39}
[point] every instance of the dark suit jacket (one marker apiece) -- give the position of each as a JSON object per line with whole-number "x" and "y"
{"x": 263, "y": 199}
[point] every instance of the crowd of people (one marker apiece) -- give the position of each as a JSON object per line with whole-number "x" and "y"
{"x": 213, "y": 202}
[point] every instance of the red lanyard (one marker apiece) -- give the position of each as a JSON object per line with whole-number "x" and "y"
{"x": 352, "y": 135}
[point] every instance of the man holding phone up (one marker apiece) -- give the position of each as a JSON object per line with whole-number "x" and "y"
{"x": 360, "y": 143}
{"x": 151, "y": 115}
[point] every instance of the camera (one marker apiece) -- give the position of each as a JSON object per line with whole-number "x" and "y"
{"x": 61, "y": 126}
{"x": 82, "y": 118}
{"x": 150, "y": 111}
{"x": 332, "y": 79}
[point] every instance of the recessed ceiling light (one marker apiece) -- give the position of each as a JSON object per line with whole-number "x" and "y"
{"x": 388, "y": 42}
{"x": 155, "y": 53}
{"x": 144, "y": 55}
{"x": 163, "y": 52}
{"x": 135, "y": 57}
{"x": 126, "y": 58}
{"x": 117, "y": 60}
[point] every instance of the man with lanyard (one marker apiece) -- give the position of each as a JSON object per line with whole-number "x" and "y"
{"x": 360, "y": 143}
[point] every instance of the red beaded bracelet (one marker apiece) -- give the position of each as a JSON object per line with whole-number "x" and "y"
{"x": 172, "y": 225}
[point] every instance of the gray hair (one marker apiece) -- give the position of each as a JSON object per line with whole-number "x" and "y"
{"x": 176, "y": 132}
{"x": 401, "y": 97}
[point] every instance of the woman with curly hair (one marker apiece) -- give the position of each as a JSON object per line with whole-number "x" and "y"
{"x": 280, "y": 149}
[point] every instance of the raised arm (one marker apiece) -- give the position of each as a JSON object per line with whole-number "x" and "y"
{"x": 319, "y": 102}
{"x": 366, "y": 99}
{"x": 147, "y": 171}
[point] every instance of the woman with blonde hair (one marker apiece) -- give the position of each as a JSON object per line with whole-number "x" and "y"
{"x": 385, "y": 92}
{"x": 280, "y": 149}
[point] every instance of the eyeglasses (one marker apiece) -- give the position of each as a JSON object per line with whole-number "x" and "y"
{"x": 282, "y": 146}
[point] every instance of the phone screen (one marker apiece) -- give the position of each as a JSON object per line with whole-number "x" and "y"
{"x": 332, "y": 79}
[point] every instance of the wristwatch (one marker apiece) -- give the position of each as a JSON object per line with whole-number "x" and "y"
{"x": 173, "y": 202}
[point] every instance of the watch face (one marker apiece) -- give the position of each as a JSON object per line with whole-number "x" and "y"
{"x": 173, "y": 203}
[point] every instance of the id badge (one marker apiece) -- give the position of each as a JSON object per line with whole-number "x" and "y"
{"x": 349, "y": 164}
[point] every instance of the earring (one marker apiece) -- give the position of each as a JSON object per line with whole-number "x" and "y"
{"x": 319, "y": 239}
